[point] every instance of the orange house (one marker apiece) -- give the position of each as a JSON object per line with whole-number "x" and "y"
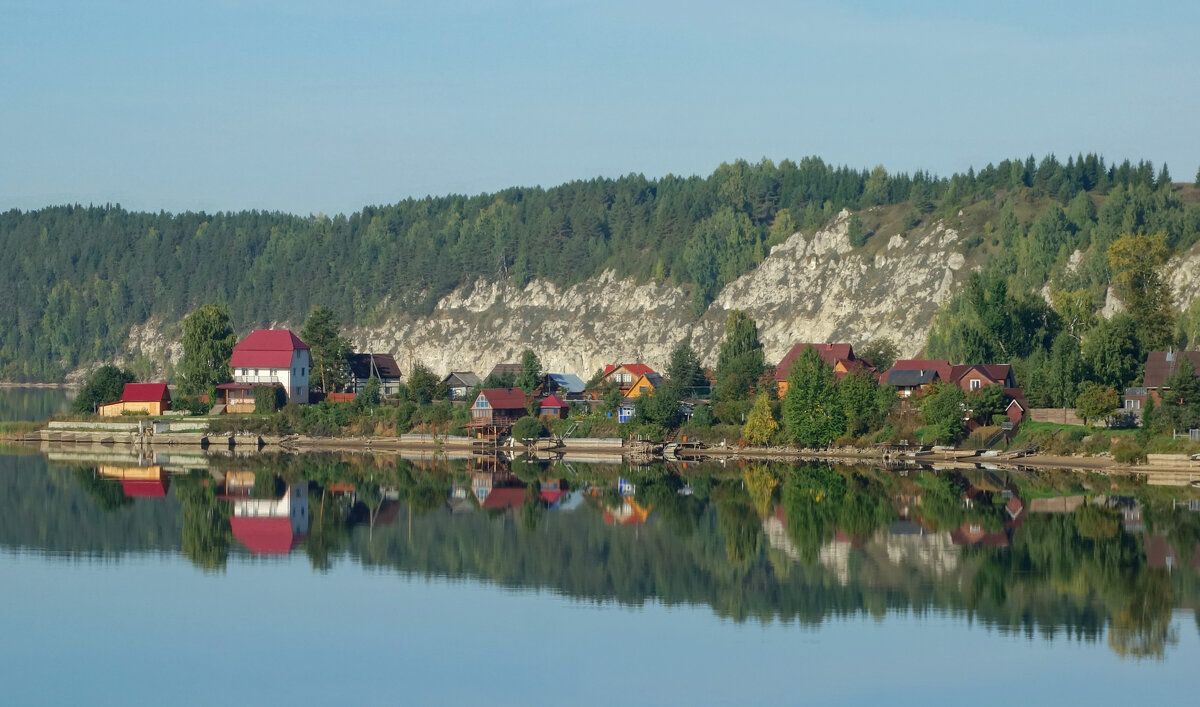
{"x": 644, "y": 385}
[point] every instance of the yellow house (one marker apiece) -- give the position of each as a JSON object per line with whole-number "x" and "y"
{"x": 142, "y": 398}
{"x": 645, "y": 384}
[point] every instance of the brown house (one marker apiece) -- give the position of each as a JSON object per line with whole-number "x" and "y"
{"x": 839, "y": 357}
{"x": 496, "y": 409}
{"x": 1161, "y": 366}
{"x": 624, "y": 375}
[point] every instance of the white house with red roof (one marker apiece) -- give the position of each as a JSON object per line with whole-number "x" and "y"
{"x": 272, "y": 357}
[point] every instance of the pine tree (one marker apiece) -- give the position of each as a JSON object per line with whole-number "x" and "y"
{"x": 328, "y": 347}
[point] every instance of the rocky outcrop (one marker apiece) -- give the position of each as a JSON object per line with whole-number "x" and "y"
{"x": 813, "y": 287}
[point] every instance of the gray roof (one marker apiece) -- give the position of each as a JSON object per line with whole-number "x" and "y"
{"x": 465, "y": 379}
{"x": 568, "y": 381}
{"x": 909, "y": 379}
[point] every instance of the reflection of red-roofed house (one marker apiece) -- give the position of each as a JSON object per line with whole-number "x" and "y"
{"x": 1159, "y": 553}
{"x": 154, "y": 488}
{"x": 271, "y": 526}
{"x": 552, "y": 490}
{"x": 629, "y": 512}
{"x": 503, "y": 498}
{"x": 1015, "y": 507}
{"x": 973, "y": 534}
{"x": 138, "y": 481}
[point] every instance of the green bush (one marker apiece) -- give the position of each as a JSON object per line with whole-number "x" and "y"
{"x": 1128, "y": 451}
{"x": 527, "y": 427}
{"x": 268, "y": 399}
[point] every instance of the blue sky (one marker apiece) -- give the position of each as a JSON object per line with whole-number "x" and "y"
{"x": 325, "y": 107}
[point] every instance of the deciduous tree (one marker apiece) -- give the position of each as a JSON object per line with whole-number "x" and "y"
{"x": 760, "y": 423}
{"x": 1097, "y": 402}
{"x": 812, "y": 409}
{"x": 208, "y": 342}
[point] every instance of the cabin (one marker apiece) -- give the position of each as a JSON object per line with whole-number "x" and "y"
{"x": 271, "y": 357}
{"x": 495, "y": 410}
{"x": 627, "y": 411}
{"x": 553, "y": 407}
{"x": 979, "y": 376}
{"x": 460, "y": 383}
{"x": 1018, "y": 406}
{"x": 505, "y": 372}
{"x": 839, "y": 357}
{"x": 645, "y": 384}
{"x": 141, "y": 398}
{"x": 910, "y": 383}
{"x": 566, "y": 386}
{"x": 1161, "y": 366}
{"x": 365, "y": 366}
{"x": 624, "y": 375}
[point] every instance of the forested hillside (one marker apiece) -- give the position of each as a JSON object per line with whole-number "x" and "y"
{"x": 76, "y": 278}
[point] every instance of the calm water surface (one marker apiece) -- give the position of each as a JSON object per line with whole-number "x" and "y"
{"x": 381, "y": 580}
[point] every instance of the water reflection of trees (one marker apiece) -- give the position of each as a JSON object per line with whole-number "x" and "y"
{"x": 710, "y": 539}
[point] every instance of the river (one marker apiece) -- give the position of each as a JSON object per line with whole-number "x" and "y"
{"x": 380, "y": 580}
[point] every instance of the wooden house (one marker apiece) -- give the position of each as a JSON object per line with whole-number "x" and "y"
{"x": 1161, "y": 366}
{"x": 567, "y": 386}
{"x": 624, "y": 375}
{"x": 645, "y": 384}
{"x": 365, "y": 366}
{"x": 495, "y": 410}
{"x": 143, "y": 398}
{"x": 505, "y": 372}
{"x": 553, "y": 407}
{"x": 839, "y": 357}
{"x": 460, "y": 383}
{"x": 979, "y": 376}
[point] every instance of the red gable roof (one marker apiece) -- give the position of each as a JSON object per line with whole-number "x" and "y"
{"x": 146, "y": 488}
{"x": 511, "y": 497}
{"x": 637, "y": 369}
{"x": 997, "y": 372}
{"x": 266, "y": 348}
{"x": 265, "y": 536}
{"x": 1161, "y": 365}
{"x": 504, "y": 398}
{"x": 829, "y": 353}
{"x": 553, "y": 401}
{"x": 145, "y": 393}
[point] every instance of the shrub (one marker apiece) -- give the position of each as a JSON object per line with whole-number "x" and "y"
{"x": 1128, "y": 451}
{"x": 527, "y": 427}
{"x": 268, "y": 399}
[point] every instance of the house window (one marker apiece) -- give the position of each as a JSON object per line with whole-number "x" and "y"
{"x": 481, "y": 402}
{"x": 976, "y": 384}
{"x": 245, "y": 371}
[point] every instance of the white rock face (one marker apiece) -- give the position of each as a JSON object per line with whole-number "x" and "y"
{"x": 810, "y": 288}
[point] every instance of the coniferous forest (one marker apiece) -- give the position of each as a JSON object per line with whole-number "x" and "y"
{"x": 77, "y": 277}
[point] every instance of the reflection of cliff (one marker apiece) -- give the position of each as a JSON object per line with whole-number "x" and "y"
{"x": 904, "y": 544}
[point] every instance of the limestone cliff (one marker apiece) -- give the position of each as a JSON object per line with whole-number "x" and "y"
{"x": 813, "y": 287}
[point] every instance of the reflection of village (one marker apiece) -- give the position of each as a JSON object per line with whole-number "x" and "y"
{"x": 913, "y": 541}
{"x": 276, "y": 521}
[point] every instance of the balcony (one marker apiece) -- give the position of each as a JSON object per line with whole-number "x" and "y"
{"x": 268, "y": 380}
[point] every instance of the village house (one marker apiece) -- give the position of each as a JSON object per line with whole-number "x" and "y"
{"x": 1161, "y": 366}
{"x": 144, "y": 398}
{"x": 912, "y": 377}
{"x": 505, "y": 372}
{"x": 553, "y": 407}
{"x": 460, "y": 383}
{"x": 495, "y": 410}
{"x": 566, "y": 386}
{"x": 839, "y": 357}
{"x": 270, "y": 357}
{"x": 645, "y": 384}
{"x": 624, "y": 375}
{"x": 365, "y": 366}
